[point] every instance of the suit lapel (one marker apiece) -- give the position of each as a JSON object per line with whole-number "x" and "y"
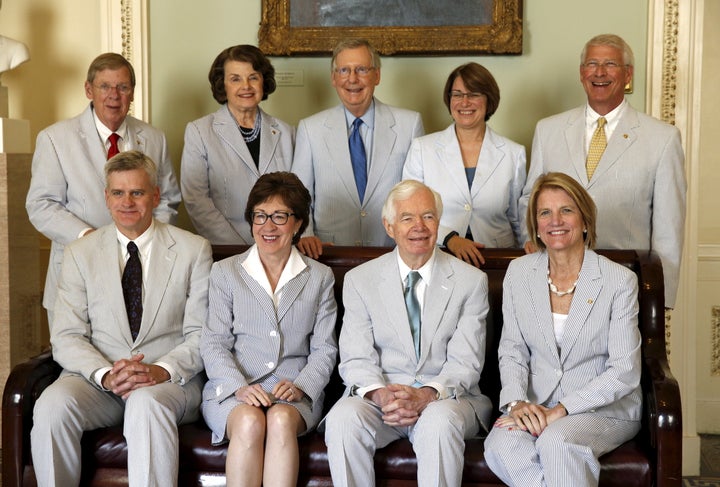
{"x": 163, "y": 261}
{"x": 491, "y": 156}
{"x": 448, "y": 151}
{"x": 261, "y": 296}
{"x": 437, "y": 296}
{"x": 226, "y": 129}
{"x": 94, "y": 146}
{"x": 540, "y": 302}
{"x": 390, "y": 291}
{"x": 291, "y": 290}
{"x": 622, "y": 138}
{"x": 269, "y": 139}
{"x": 109, "y": 280}
{"x": 135, "y": 137}
{"x": 588, "y": 288}
{"x": 335, "y": 138}
{"x": 384, "y": 139}
{"x": 575, "y": 140}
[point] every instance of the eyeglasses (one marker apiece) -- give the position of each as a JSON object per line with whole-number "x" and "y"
{"x": 593, "y": 65}
{"x": 459, "y": 95}
{"x": 105, "y": 88}
{"x": 360, "y": 71}
{"x": 278, "y": 218}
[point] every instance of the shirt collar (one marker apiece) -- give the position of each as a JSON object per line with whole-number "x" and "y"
{"x": 425, "y": 271}
{"x": 591, "y": 115}
{"x": 368, "y": 117}
{"x": 294, "y": 266}
{"x": 143, "y": 242}
{"x": 105, "y": 132}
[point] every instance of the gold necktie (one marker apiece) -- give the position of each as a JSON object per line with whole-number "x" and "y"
{"x": 597, "y": 147}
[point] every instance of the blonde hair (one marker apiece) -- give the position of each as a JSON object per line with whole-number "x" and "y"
{"x": 581, "y": 198}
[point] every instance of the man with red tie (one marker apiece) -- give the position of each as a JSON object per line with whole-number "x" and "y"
{"x": 66, "y": 199}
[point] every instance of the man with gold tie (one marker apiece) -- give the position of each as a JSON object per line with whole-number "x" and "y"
{"x": 132, "y": 301}
{"x": 65, "y": 199}
{"x": 629, "y": 162}
{"x": 412, "y": 347}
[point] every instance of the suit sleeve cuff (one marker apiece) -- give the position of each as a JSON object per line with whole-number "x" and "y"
{"x": 98, "y": 376}
{"x": 175, "y": 378}
{"x": 361, "y": 391}
{"x": 443, "y": 392}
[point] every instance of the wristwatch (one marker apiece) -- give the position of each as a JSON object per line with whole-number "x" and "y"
{"x": 449, "y": 236}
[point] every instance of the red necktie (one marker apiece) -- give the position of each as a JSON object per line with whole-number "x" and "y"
{"x": 113, "y": 150}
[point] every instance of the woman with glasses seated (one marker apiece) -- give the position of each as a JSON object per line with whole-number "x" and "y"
{"x": 227, "y": 151}
{"x": 479, "y": 174}
{"x": 269, "y": 345}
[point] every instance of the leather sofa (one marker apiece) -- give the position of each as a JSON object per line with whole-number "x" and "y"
{"x": 652, "y": 458}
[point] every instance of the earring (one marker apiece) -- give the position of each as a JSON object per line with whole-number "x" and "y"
{"x": 585, "y": 230}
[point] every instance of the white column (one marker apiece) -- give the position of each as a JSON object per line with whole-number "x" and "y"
{"x": 674, "y": 59}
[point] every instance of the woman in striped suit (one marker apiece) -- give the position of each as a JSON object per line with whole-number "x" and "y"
{"x": 569, "y": 351}
{"x": 269, "y": 346}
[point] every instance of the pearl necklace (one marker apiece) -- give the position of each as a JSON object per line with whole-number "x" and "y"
{"x": 554, "y": 289}
{"x": 250, "y": 135}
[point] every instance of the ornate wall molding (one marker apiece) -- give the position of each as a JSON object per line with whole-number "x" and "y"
{"x": 670, "y": 61}
{"x": 124, "y": 27}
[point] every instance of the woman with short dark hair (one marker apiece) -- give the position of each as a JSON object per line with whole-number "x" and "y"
{"x": 227, "y": 151}
{"x": 269, "y": 345}
{"x": 478, "y": 173}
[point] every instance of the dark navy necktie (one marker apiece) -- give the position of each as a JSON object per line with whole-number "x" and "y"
{"x": 413, "y": 308}
{"x": 358, "y": 158}
{"x": 132, "y": 289}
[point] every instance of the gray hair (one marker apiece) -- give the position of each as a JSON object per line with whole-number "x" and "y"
{"x": 354, "y": 44}
{"x": 405, "y": 190}
{"x": 129, "y": 161}
{"x": 610, "y": 40}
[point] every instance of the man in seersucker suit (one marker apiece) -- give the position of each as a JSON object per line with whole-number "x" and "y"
{"x": 115, "y": 368}
{"x": 66, "y": 200}
{"x": 639, "y": 183}
{"x": 405, "y": 377}
{"x": 348, "y": 199}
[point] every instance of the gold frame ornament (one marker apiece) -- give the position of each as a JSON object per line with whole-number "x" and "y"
{"x": 277, "y": 37}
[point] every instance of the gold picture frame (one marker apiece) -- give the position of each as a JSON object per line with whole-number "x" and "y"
{"x": 279, "y": 35}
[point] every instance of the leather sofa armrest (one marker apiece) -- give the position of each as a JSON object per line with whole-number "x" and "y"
{"x": 662, "y": 413}
{"x": 24, "y": 385}
{"x": 663, "y": 419}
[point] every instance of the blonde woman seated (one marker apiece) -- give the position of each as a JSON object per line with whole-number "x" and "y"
{"x": 479, "y": 173}
{"x": 569, "y": 351}
{"x": 269, "y": 346}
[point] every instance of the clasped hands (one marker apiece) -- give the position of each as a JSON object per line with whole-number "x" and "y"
{"x": 401, "y": 405}
{"x": 533, "y": 418}
{"x": 255, "y": 395}
{"x": 130, "y": 374}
